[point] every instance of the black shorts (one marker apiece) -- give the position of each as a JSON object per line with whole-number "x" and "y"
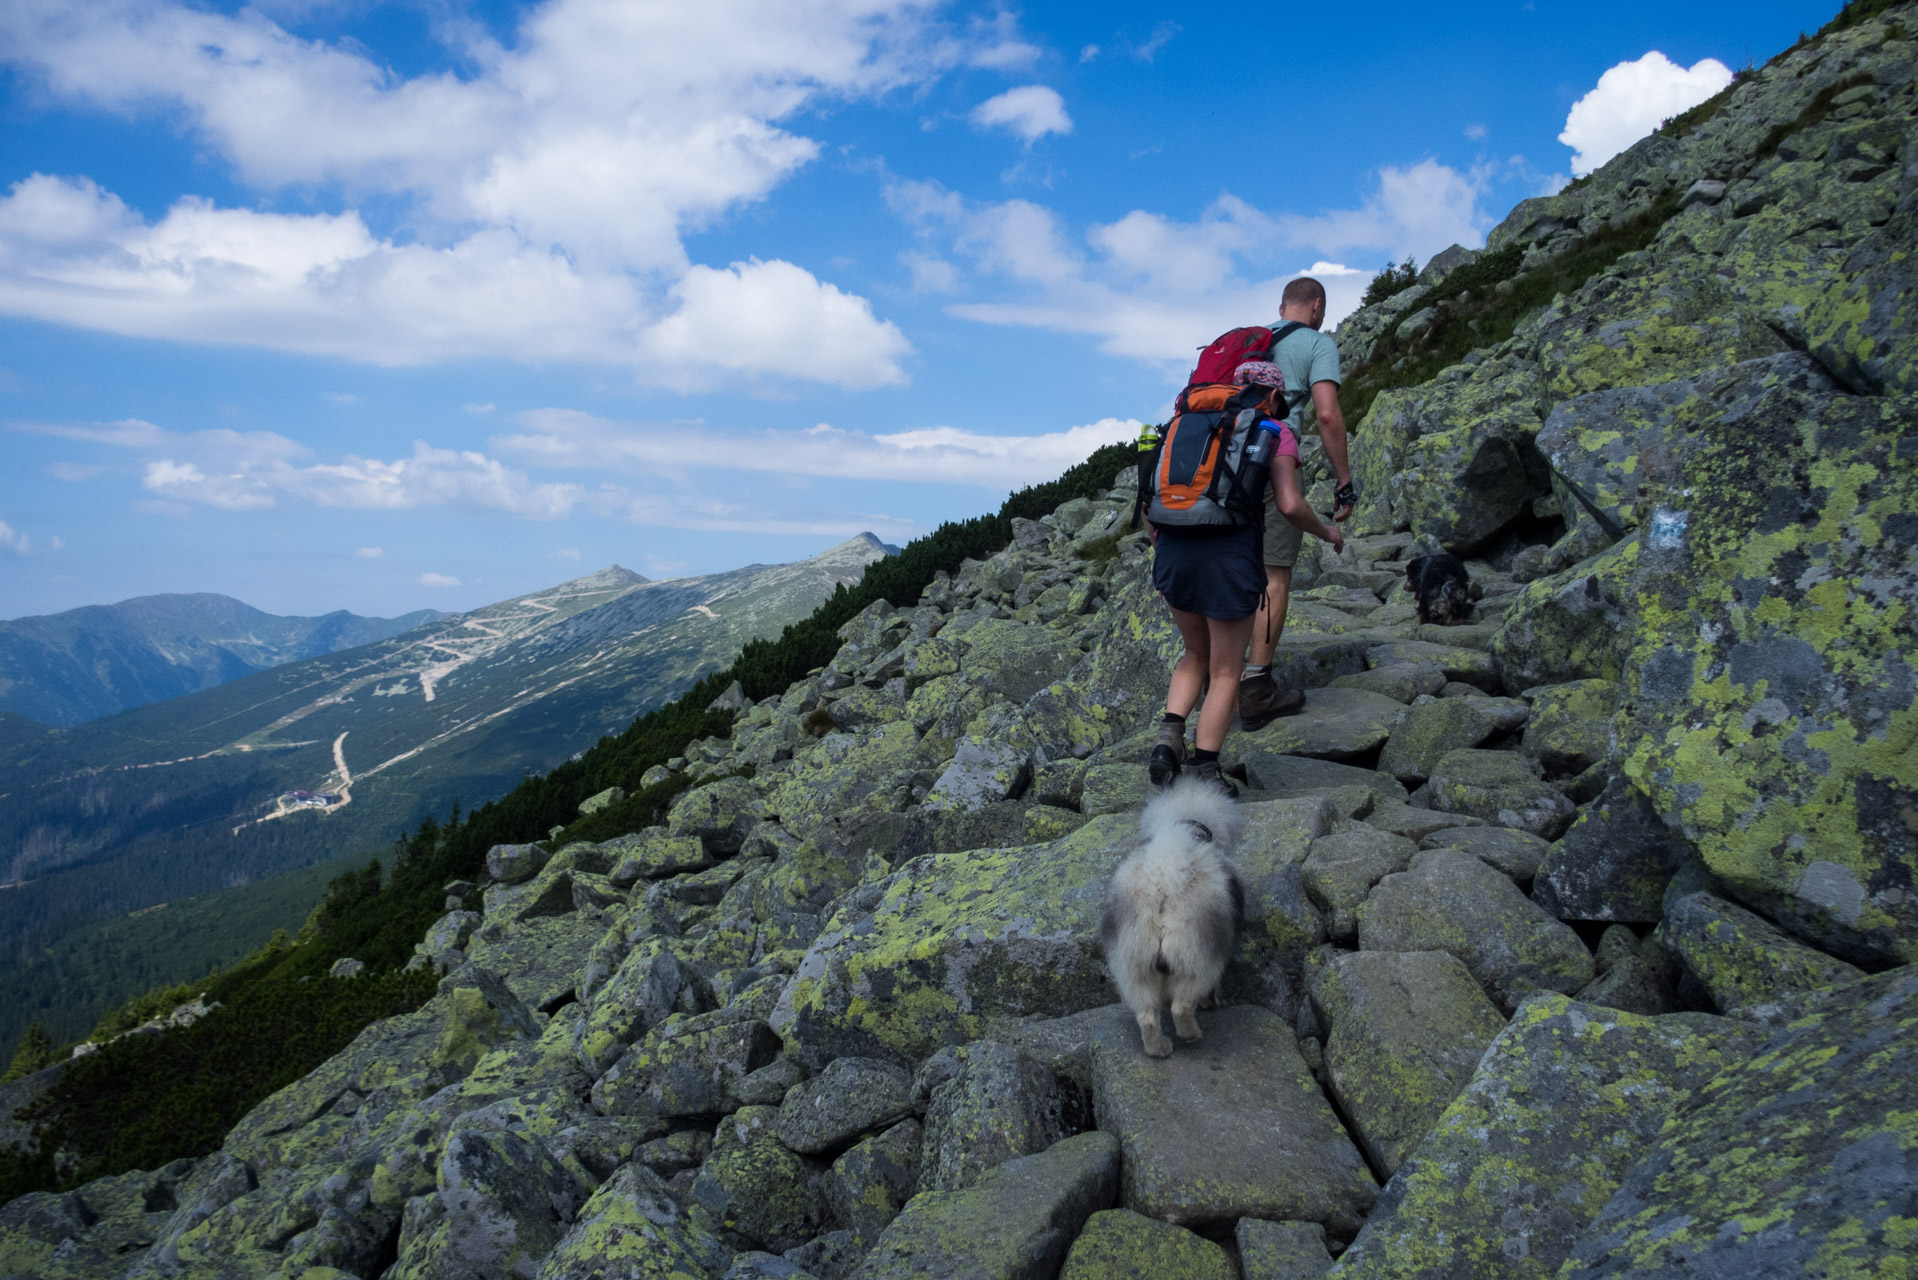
{"x": 1213, "y": 575}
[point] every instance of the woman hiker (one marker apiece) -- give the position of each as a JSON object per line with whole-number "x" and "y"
{"x": 1213, "y": 583}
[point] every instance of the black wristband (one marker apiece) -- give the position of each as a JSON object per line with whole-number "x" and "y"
{"x": 1346, "y": 495}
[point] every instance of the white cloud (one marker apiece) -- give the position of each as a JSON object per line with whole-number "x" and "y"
{"x": 1160, "y": 38}
{"x": 56, "y": 542}
{"x": 1416, "y": 211}
{"x": 770, "y": 321}
{"x": 369, "y": 553}
{"x": 567, "y": 438}
{"x": 1031, "y": 111}
{"x": 12, "y": 540}
{"x": 1088, "y": 53}
{"x": 437, "y": 580}
{"x": 1152, "y": 287}
{"x": 342, "y": 397}
{"x": 930, "y": 273}
{"x": 1476, "y": 132}
{"x": 565, "y": 553}
{"x": 1630, "y": 100}
{"x": 549, "y": 186}
{"x": 244, "y": 471}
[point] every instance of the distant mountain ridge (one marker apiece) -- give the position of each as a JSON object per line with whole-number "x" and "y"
{"x": 64, "y": 669}
{"x": 188, "y": 797}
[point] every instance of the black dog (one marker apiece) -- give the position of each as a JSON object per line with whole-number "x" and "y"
{"x": 1444, "y": 591}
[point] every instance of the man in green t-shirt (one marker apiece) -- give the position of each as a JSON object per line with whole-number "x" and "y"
{"x": 1310, "y": 362}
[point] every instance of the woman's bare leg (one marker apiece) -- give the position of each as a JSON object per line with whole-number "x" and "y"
{"x": 1188, "y": 678}
{"x": 1225, "y": 643}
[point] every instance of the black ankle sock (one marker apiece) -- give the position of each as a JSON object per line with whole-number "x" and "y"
{"x": 1169, "y": 718}
{"x": 1201, "y": 756}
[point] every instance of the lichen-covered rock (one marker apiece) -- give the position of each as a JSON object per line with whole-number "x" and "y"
{"x": 642, "y": 993}
{"x": 850, "y": 1097}
{"x": 1424, "y": 735}
{"x": 1570, "y": 729}
{"x": 687, "y": 1066}
{"x": 955, "y": 939}
{"x": 1752, "y": 968}
{"x": 1516, "y": 853}
{"x": 847, "y": 771}
{"x": 1459, "y": 662}
{"x": 871, "y": 1183}
{"x": 1500, "y": 787}
{"x": 982, "y": 771}
{"x": 507, "y": 1202}
{"x": 1448, "y": 900}
{"x": 1335, "y": 724}
{"x": 1401, "y": 682}
{"x": 655, "y": 853}
{"x": 1560, "y": 1108}
{"x": 1282, "y": 1250}
{"x": 512, "y": 863}
{"x": 632, "y": 1229}
{"x": 1341, "y": 869}
{"x": 754, "y": 1191}
{"x": 1572, "y": 625}
{"x": 1284, "y": 775}
{"x": 1612, "y": 863}
{"x": 1794, "y": 1162}
{"x": 541, "y": 958}
{"x": 1182, "y": 1122}
{"x": 1402, "y": 819}
{"x": 1118, "y": 1244}
{"x": 1644, "y": 980}
{"x": 1015, "y": 661}
{"x": 718, "y": 813}
{"x": 1407, "y": 1031}
{"x": 993, "y": 1103}
{"x": 1770, "y": 687}
{"x": 1016, "y": 1223}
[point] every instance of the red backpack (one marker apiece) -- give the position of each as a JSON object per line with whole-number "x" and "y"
{"x": 1230, "y": 350}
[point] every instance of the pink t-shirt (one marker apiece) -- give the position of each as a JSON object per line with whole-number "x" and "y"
{"x": 1288, "y": 443}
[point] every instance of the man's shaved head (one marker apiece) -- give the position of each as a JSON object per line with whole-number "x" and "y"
{"x": 1302, "y": 292}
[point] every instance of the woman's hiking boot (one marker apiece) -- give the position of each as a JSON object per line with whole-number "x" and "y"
{"x": 1208, "y": 771}
{"x": 1261, "y": 701}
{"x": 1168, "y": 753}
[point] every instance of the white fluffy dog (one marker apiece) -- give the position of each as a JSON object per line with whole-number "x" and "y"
{"x": 1174, "y": 909}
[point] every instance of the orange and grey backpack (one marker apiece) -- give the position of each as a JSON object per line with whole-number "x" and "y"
{"x": 1203, "y": 472}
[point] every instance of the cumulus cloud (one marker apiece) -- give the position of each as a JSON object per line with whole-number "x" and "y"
{"x": 1633, "y": 98}
{"x": 1031, "y": 111}
{"x": 369, "y": 553}
{"x": 565, "y": 553}
{"x": 1161, "y": 37}
{"x": 257, "y": 470}
{"x": 773, "y": 320}
{"x": 13, "y": 540}
{"x": 437, "y": 580}
{"x": 568, "y": 438}
{"x": 549, "y": 187}
{"x": 1152, "y": 287}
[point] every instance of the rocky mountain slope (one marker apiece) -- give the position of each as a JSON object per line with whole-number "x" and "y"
{"x": 1579, "y": 940}
{"x": 197, "y": 794}
{"x": 67, "y": 668}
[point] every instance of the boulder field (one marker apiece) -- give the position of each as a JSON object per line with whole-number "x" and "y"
{"x": 1581, "y": 936}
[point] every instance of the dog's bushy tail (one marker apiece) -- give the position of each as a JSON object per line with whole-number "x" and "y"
{"x": 1193, "y": 800}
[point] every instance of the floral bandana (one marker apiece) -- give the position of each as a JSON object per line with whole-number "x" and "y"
{"x": 1260, "y": 372}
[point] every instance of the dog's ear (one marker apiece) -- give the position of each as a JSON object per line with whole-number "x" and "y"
{"x": 1237, "y": 890}
{"x": 1413, "y": 570}
{"x": 1475, "y": 591}
{"x": 1112, "y": 921}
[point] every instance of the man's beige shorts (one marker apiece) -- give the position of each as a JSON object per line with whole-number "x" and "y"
{"x": 1282, "y": 538}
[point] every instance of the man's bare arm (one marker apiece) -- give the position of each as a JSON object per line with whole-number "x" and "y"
{"x": 1325, "y": 400}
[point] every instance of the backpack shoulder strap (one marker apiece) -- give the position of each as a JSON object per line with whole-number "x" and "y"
{"x": 1285, "y": 331}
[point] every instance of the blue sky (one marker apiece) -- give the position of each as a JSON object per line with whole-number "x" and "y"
{"x": 332, "y": 304}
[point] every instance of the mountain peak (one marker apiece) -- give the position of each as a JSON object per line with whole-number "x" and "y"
{"x": 611, "y": 576}
{"x": 860, "y": 549}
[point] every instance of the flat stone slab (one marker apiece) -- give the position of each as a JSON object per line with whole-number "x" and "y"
{"x": 1119, "y": 1244}
{"x": 1752, "y": 968}
{"x": 1016, "y": 1223}
{"x": 1408, "y": 1030}
{"x": 1402, "y": 819}
{"x": 1401, "y": 682}
{"x": 1272, "y": 771}
{"x": 1230, "y": 1127}
{"x": 1448, "y": 900}
{"x": 1516, "y": 853}
{"x": 1819, "y": 1129}
{"x": 1335, "y": 724}
{"x": 1500, "y": 787}
{"x": 1423, "y": 735}
{"x": 1282, "y": 1250}
{"x": 1564, "y": 1103}
{"x": 1468, "y": 666}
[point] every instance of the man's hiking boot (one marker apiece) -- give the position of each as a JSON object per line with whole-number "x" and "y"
{"x": 1168, "y": 753}
{"x": 1261, "y": 701}
{"x": 1208, "y": 771}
